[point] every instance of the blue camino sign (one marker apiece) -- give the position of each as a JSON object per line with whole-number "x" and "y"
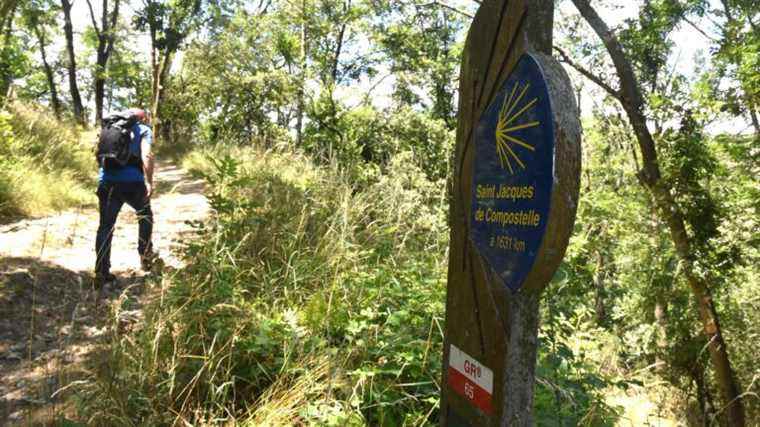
{"x": 513, "y": 174}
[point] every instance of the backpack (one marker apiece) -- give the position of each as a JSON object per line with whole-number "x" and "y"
{"x": 114, "y": 140}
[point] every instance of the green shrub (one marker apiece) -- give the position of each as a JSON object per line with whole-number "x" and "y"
{"x": 364, "y": 137}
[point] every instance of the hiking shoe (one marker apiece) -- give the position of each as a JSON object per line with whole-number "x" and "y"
{"x": 102, "y": 279}
{"x": 147, "y": 261}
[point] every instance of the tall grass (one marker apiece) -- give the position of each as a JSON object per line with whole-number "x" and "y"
{"x": 45, "y": 165}
{"x": 306, "y": 300}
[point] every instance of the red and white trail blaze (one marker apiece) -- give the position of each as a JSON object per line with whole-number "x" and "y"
{"x": 471, "y": 379}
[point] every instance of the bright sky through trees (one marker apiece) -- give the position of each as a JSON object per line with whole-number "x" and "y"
{"x": 690, "y": 44}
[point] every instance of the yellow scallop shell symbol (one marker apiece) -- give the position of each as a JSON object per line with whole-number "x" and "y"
{"x": 507, "y": 115}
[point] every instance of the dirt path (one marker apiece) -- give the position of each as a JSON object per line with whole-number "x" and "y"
{"x": 50, "y": 317}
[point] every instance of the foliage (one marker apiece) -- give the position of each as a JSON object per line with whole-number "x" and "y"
{"x": 571, "y": 383}
{"x": 424, "y": 48}
{"x": 302, "y": 280}
{"x": 14, "y": 58}
{"x": 44, "y": 165}
{"x": 364, "y": 135}
{"x": 308, "y": 301}
{"x": 621, "y": 269}
{"x": 238, "y": 98}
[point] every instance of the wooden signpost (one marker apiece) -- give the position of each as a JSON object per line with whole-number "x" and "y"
{"x": 514, "y": 197}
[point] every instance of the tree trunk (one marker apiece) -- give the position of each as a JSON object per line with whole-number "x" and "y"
{"x": 7, "y": 29}
{"x": 339, "y": 43}
{"x": 660, "y": 303}
{"x": 661, "y": 320}
{"x": 703, "y": 394}
{"x": 2, "y": 28}
{"x": 170, "y": 29}
{"x": 301, "y": 79}
{"x": 105, "y": 47}
{"x": 753, "y": 117}
{"x": 68, "y": 30}
{"x": 599, "y": 290}
{"x": 54, "y": 102}
{"x": 155, "y": 72}
{"x": 160, "y": 73}
{"x": 633, "y": 104}
{"x": 7, "y": 9}
{"x": 6, "y": 23}
{"x": 100, "y": 83}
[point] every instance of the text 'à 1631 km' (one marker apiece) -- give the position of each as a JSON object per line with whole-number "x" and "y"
{"x": 508, "y": 243}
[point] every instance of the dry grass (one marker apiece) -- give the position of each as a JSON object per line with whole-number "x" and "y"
{"x": 45, "y": 165}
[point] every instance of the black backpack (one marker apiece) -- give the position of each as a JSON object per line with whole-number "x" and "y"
{"x": 113, "y": 143}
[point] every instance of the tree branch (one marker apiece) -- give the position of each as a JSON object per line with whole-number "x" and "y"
{"x": 615, "y": 93}
{"x": 115, "y": 15}
{"x": 701, "y": 31}
{"x": 449, "y": 7}
{"x": 110, "y": 33}
{"x": 263, "y": 7}
{"x": 630, "y": 93}
{"x": 92, "y": 16}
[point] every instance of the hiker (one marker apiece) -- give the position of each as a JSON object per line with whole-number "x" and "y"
{"x": 124, "y": 179}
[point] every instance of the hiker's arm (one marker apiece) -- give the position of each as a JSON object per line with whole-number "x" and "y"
{"x": 147, "y": 160}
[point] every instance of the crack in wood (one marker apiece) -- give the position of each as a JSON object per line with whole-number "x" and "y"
{"x": 504, "y": 61}
{"x": 494, "y": 42}
{"x": 477, "y": 304}
{"x": 490, "y": 280}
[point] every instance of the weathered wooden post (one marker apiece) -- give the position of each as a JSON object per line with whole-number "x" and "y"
{"x": 514, "y": 197}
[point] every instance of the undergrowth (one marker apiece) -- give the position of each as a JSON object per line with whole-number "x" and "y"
{"x": 45, "y": 165}
{"x": 305, "y": 301}
{"x": 310, "y": 298}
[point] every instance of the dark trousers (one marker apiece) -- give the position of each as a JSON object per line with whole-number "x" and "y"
{"x": 111, "y": 197}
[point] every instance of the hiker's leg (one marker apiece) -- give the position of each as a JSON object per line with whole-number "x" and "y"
{"x": 109, "y": 204}
{"x": 141, "y": 204}
{"x": 145, "y": 225}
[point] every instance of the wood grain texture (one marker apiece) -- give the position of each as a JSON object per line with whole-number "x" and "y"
{"x": 483, "y": 317}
